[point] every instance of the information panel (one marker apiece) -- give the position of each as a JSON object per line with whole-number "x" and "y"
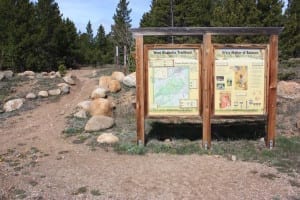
{"x": 239, "y": 81}
{"x": 173, "y": 81}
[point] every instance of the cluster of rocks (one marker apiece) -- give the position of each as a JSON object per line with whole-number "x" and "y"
{"x": 6, "y": 74}
{"x": 62, "y": 88}
{"x": 100, "y": 106}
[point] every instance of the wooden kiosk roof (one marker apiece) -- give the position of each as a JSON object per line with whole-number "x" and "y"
{"x": 181, "y": 31}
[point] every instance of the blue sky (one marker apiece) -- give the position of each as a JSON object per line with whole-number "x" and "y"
{"x": 100, "y": 12}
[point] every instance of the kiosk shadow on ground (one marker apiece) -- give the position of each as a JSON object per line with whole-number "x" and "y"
{"x": 190, "y": 131}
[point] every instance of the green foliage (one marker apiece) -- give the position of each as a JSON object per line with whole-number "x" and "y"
{"x": 62, "y": 69}
{"x": 129, "y": 148}
{"x": 290, "y": 38}
{"x": 34, "y": 36}
{"x": 121, "y": 29}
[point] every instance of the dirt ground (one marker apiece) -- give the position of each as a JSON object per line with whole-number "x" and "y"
{"x": 38, "y": 163}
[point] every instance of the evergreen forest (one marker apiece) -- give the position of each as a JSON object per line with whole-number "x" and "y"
{"x": 36, "y": 36}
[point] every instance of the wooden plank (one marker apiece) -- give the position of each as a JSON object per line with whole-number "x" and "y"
{"x": 140, "y": 110}
{"x": 166, "y": 31}
{"x": 272, "y": 91}
{"x": 206, "y": 100}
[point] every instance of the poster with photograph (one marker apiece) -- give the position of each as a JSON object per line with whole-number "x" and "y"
{"x": 239, "y": 81}
{"x": 173, "y": 81}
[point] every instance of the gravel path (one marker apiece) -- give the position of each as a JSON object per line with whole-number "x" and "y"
{"x": 38, "y": 163}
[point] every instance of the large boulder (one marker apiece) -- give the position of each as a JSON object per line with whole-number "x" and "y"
{"x": 114, "y": 86}
{"x": 101, "y": 106}
{"x": 98, "y": 93}
{"x": 8, "y": 74}
{"x": 43, "y": 94}
{"x": 28, "y": 73}
{"x": 119, "y": 76}
{"x": 54, "y": 92}
{"x": 85, "y": 105}
{"x": 12, "y": 105}
{"x": 68, "y": 79}
{"x": 98, "y": 123}
{"x": 104, "y": 82}
{"x": 107, "y": 138}
{"x": 288, "y": 89}
{"x": 130, "y": 80}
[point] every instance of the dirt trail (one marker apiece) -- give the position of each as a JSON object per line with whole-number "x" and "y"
{"x": 60, "y": 168}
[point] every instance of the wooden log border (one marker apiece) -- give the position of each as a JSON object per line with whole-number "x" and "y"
{"x": 207, "y": 75}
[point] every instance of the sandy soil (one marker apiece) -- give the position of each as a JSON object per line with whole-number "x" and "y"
{"x": 41, "y": 164}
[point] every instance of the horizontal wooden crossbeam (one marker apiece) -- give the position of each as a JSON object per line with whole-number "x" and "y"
{"x": 184, "y": 31}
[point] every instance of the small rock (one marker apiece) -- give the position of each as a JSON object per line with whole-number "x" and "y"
{"x": 94, "y": 73}
{"x": 63, "y": 84}
{"x": 167, "y": 141}
{"x": 20, "y": 74}
{"x": 1, "y": 76}
{"x": 298, "y": 124}
{"x": 44, "y": 74}
{"x": 119, "y": 76}
{"x": 233, "y": 158}
{"x": 130, "y": 80}
{"x": 114, "y": 86}
{"x": 30, "y": 96}
{"x": 107, "y": 138}
{"x": 64, "y": 87}
{"x": 8, "y": 74}
{"x": 104, "y": 82}
{"x": 68, "y": 79}
{"x": 12, "y": 105}
{"x": 31, "y": 77}
{"x": 97, "y": 123}
{"x": 52, "y": 73}
{"x": 52, "y": 76}
{"x": 101, "y": 106}
{"x": 81, "y": 114}
{"x": 54, "y": 92}
{"x": 262, "y": 140}
{"x": 43, "y": 94}
{"x": 98, "y": 93}
{"x": 28, "y": 73}
{"x": 65, "y": 90}
{"x": 57, "y": 74}
{"x": 85, "y": 105}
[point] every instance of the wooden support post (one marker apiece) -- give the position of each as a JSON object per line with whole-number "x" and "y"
{"x": 140, "y": 79}
{"x": 272, "y": 87}
{"x": 207, "y": 84}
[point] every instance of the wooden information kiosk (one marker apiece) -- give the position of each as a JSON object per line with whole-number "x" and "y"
{"x": 206, "y": 81}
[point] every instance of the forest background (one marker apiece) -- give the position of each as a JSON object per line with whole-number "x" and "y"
{"x": 35, "y": 36}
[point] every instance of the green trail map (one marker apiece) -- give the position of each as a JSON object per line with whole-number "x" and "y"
{"x": 173, "y": 82}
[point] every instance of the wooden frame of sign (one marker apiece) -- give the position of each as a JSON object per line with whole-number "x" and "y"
{"x": 172, "y": 81}
{"x": 240, "y": 80}
{"x": 207, "y": 76}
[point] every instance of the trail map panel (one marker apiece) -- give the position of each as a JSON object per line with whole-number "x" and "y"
{"x": 173, "y": 81}
{"x": 240, "y": 81}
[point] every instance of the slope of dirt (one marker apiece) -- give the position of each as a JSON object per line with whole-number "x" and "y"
{"x": 38, "y": 163}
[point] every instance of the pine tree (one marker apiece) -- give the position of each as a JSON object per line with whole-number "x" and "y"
{"x": 290, "y": 38}
{"x": 100, "y": 45}
{"x": 89, "y": 32}
{"x": 48, "y": 30}
{"x": 121, "y": 29}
